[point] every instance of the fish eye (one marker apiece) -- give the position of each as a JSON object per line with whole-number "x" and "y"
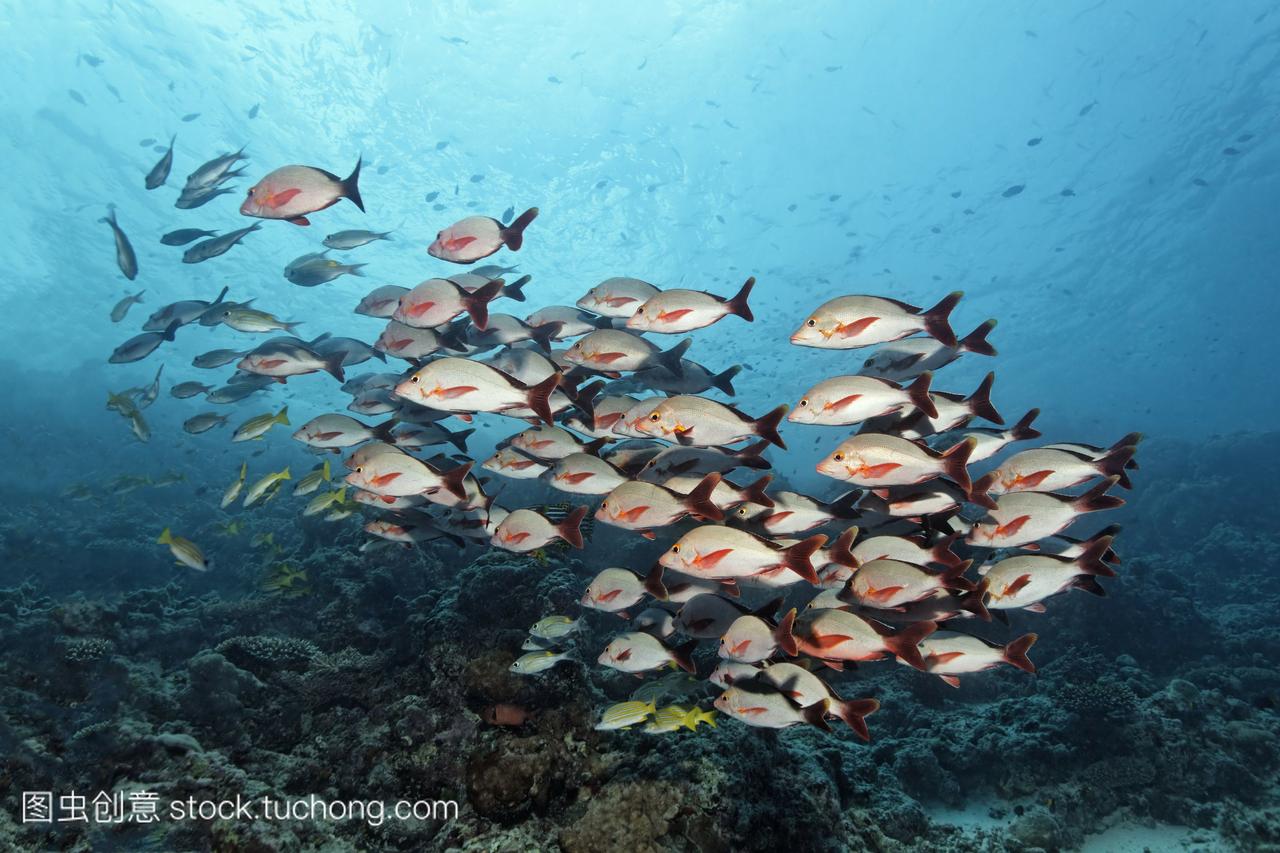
{"x": 804, "y": 402}
{"x": 654, "y": 416}
{"x": 675, "y": 549}
{"x": 839, "y": 457}
{"x": 360, "y": 469}
{"x": 414, "y": 379}
{"x": 812, "y": 322}
{"x": 604, "y": 504}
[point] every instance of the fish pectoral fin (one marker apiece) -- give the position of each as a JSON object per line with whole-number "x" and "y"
{"x": 280, "y": 199}
{"x": 299, "y": 220}
{"x": 827, "y": 641}
{"x": 849, "y": 330}
{"x": 455, "y": 391}
{"x": 672, "y": 316}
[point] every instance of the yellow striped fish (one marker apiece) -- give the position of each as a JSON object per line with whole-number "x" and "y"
{"x": 674, "y": 717}
{"x": 271, "y": 481}
{"x": 324, "y": 500}
{"x": 311, "y": 482}
{"x": 256, "y": 427}
{"x": 233, "y": 490}
{"x": 186, "y": 552}
{"x": 623, "y": 715}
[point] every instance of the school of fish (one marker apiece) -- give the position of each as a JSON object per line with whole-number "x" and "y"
{"x": 908, "y": 553}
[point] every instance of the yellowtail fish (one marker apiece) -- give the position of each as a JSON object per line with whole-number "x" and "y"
{"x": 554, "y": 627}
{"x": 186, "y": 552}
{"x": 325, "y": 500}
{"x": 624, "y": 715}
{"x": 341, "y": 510}
{"x": 261, "y": 540}
{"x": 244, "y": 319}
{"x": 139, "y": 426}
{"x": 256, "y": 427}
{"x": 230, "y": 528}
{"x": 536, "y": 662}
{"x": 259, "y": 489}
{"x": 674, "y": 717}
{"x": 311, "y": 482}
{"x": 677, "y": 683}
{"x": 233, "y": 490}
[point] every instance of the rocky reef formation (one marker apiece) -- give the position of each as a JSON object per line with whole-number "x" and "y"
{"x": 371, "y": 683}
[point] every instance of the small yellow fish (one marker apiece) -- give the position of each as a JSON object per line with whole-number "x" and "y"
{"x": 230, "y": 528}
{"x": 341, "y": 510}
{"x": 287, "y": 581}
{"x": 554, "y": 627}
{"x": 256, "y": 427}
{"x": 536, "y": 662}
{"x": 233, "y": 490}
{"x": 185, "y": 551}
{"x": 675, "y": 717}
{"x": 324, "y": 500}
{"x": 624, "y": 715}
{"x": 258, "y": 489}
{"x": 263, "y": 540}
{"x": 311, "y": 482}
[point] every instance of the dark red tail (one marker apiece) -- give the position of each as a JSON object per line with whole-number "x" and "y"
{"x": 1114, "y": 463}
{"x": 515, "y": 290}
{"x": 1092, "y": 561}
{"x": 454, "y": 481}
{"x": 749, "y": 456}
{"x": 755, "y": 493}
{"x": 954, "y": 579}
{"x": 1015, "y": 653}
{"x": 841, "y": 553}
{"x": 905, "y": 645}
{"x": 699, "y": 500}
{"x": 955, "y": 463}
{"x": 936, "y": 319}
{"x": 653, "y": 583}
{"x": 513, "y": 234}
{"x": 976, "y": 341}
{"x": 724, "y": 380}
{"x": 738, "y": 304}
{"x": 1022, "y": 430}
{"x": 1097, "y": 499}
{"x": 477, "y": 304}
{"x": 540, "y": 398}
{"x": 854, "y": 713}
{"x": 974, "y": 602}
{"x": 799, "y": 557}
{"x": 569, "y": 530}
{"x": 979, "y": 402}
{"x": 918, "y": 392}
{"x": 783, "y": 635}
{"x": 767, "y": 426}
{"x": 683, "y": 656}
{"x": 977, "y": 493}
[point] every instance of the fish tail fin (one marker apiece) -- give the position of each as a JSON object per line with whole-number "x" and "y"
{"x": 941, "y": 552}
{"x": 1015, "y": 653}
{"x": 569, "y": 530}
{"x": 1088, "y": 584}
{"x": 841, "y": 551}
{"x": 738, "y": 304}
{"x": 477, "y": 304}
{"x": 682, "y": 655}
{"x": 355, "y": 269}
{"x": 165, "y": 537}
{"x": 138, "y": 296}
{"x": 918, "y": 393}
{"x": 292, "y": 327}
{"x": 975, "y": 602}
{"x": 653, "y": 583}
{"x": 540, "y": 397}
{"x": 543, "y": 335}
{"x": 379, "y": 355}
{"x": 769, "y": 609}
{"x": 282, "y": 417}
{"x": 351, "y": 184}
{"x": 171, "y": 331}
{"x": 953, "y": 577}
{"x": 1115, "y": 462}
{"x": 699, "y": 502}
{"x": 708, "y": 716}
{"x": 459, "y": 439}
{"x": 905, "y": 645}
{"x": 1109, "y": 555}
{"x": 755, "y": 493}
{"x": 724, "y": 380}
{"x": 1092, "y": 561}
{"x": 285, "y": 475}
{"x": 976, "y": 341}
{"x": 1022, "y": 430}
{"x": 1097, "y": 499}
{"x": 325, "y": 473}
{"x": 382, "y": 431}
{"x": 222, "y": 294}
{"x": 333, "y": 365}
{"x": 854, "y": 713}
{"x": 583, "y": 400}
{"x": 955, "y": 462}
{"x": 937, "y": 319}
{"x": 515, "y": 290}
{"x": 766, "y": 426}
{"x": 595, "y": 445}
{"x": 1133, "y": 439}
{"x": 979, "y": 401}
{"x": 977, "y": 493}
{"x": 749, "y": 456}
{"x": 454, "y": 481}
{"x": 799, "y": 557}
{"x": 670, "y": 359}
{"x": 784, "y": 633}
{"x": 816, "y": 714}
{"x": 513, "y": 234}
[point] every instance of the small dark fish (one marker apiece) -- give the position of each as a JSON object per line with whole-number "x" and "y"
{"x": 253, "y": 111}
{"x": 1200, "y": 182}
{"x": 641, "y": 66}
{"x": 968, "y": 211}
{"x": 1067, "y": 193}
{"x": 453, "y": 40}
{"x": 1231, "y": 152}
{"x": 1084, "y": 111}
{"x": 192, "y": 200}
{"x": 1244, "y": 137}
{"x": 475, "y": 179}
{"x": 791, "y": 208}
{"x": 1031, "y": 34}
{"x": 88, "y": 59}
{"x": 433, "y": 195}
{"x": 437, "y": 207}
{"x": 601, "y": 184}
{"x": 125, "y": 257}
{"x": 553, "y": 79}
{"x": 936, "y": 230}
{"x": 440, "y": 146}
{"x": 159, "y": 149}
{"x": 577, "y": 53}
{"x": 720, "y": 219}
{"x": 160, "y": 171}
{"x": 146, "y": 142}
{"x": 183, "y": 236}
{"x": 1016, "y": 189}
{"x": 830, "y": 68}
{"x": 382, "y": 170}
{"x": 507, "y": 215}
{"x": 713, "y": 104}
{"x": 113, "y": 90}
{"x": 730, "y": 125}
{"x": 956, "y": 194}
{"x": 1034, "y": 141}
{"x": 191, "y": 116}
{"x": 215, "y": 246}
{"x": 77, "y": 97}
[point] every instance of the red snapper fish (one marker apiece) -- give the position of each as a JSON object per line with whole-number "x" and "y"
{"x": 848, "y": 322}
{"x": 291, "y": 192}
{"x": 476, "y": 237}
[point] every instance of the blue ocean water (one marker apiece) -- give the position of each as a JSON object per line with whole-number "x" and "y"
{"x": 1101, "y": 178}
